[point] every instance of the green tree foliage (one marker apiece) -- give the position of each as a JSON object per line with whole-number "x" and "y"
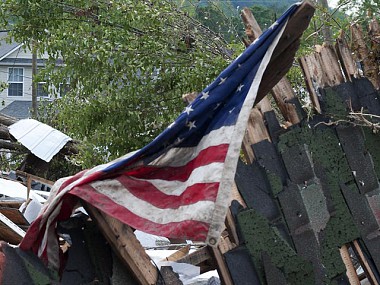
{"x": 230, "y": 28}
{"x": 124, "y": 63}
{"x": 265, "y": 16}
{"x": 361, "y": 11}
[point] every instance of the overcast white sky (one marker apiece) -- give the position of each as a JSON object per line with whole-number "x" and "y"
{"x": 332, "y": 3}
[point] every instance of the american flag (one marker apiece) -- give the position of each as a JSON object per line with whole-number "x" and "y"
{"x": 179, "y": 185}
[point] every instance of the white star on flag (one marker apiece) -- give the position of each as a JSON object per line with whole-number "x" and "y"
{"x": 222, "y": 80}
{"x": 191, "y": 125}
{"x": 205, "y": 95}
{"x": 188, "y": 110}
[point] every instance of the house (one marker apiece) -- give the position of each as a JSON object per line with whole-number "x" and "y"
{"x": 16, "y": 71}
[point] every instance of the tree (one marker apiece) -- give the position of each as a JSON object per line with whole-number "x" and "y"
{"x": 229, "y": 26}
{"x": 124, "y": 63}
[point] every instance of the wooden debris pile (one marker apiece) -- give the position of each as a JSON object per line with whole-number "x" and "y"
{"x": 306, "y": 206}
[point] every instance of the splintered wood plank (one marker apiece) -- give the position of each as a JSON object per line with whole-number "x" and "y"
{"x": 14, "y": 215}
{"x": 284, "y": 53}
{"x": 189, "y": 97}
{"x": 307, "y": 63}
{"x": 225, "y": 244}
{"x": 196, "y": 257}
{"x": 231, "y": 229}
{"x": 8, "y": 235}
{"x": 252, "y": 28}
{"x": 264, "y": 105}
{"x": 35, "y": 178}
{"x": 364, "y": 263}
{"x": 351, "y": 272}
{"x": 329, "y": 63}
{"x": 279, "y": 66}
{"x": 178, "y": 254}
{"x": 256, "y": 131}
{"x": 345, "y": 57}
{"x": 9, "y": 231}
{"x": 11, "y": 204}
{"x": 297, "y": 24}
{"x": 222, "y": 268}
{"x": 126, "y": 246}
{"x": 283, "y": 93}
{"x": 359, "y": 46}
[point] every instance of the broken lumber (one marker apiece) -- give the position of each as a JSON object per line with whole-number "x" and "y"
{"x": 283, "y": 55}
{"x": 363, "y": 55}
{"x": 125, "y": 245}
{"x": 178, "y": 254}
{"x": 345, "y": 57}
{"x": 282, "y": 92}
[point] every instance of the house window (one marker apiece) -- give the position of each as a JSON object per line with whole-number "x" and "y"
{"x": 42, "y": 90}
{"x": 63, "y": 89}
{"x": 16, "y": 81}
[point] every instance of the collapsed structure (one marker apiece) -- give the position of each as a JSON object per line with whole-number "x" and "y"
{"x": 306, "y": 208}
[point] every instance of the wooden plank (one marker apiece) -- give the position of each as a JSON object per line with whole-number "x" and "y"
{"x": 225, "y": 244}
{"x": 8, "y": 235}
{"x": 351, "y": 272}
{"x": 345, "y": 57}
{"x": 9, "y": 231}
{"x": 126, "y": 246}
{"x": 256, "y": 132}
{"x": 231, "y": 228}
{"x": 297, "y": 24}
{"x": 196, "y": 257}
{"x": 28, "y": 187}
{"x": 306, "y": 62}
{"x": 279, "y": 67}
{"x": 236, "y": 195}
{"x": 361, "y": 51}
{"x": 283, "y": 93}
{"x": 264, "y": 105}
{"x": 14, "y": 215}
{"x": 178, "y": 254}
{"x": 329, "y": 63}
{"x": 35, "y": 178}
{"x": 11, "y": 204}
{"x": 252, "y": 28}
{"x": 364, "y": 263}
{"x": 222, "y": 268}
{"x": 284, "y": 53}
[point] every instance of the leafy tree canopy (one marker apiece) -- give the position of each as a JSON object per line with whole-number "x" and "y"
{"x": 125, "y": 64}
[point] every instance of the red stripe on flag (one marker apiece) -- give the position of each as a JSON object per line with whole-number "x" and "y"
{"x": 189, "y": 229}
{"x": 205, "y": 157}
{"x": 146, "y": 191}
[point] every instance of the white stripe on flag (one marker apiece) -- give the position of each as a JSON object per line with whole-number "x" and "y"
{"x": 224, "y": 195}
{"x": 181, "y": 156}
{"x": 115, "y": 191}
{"x": 203, "y": 174}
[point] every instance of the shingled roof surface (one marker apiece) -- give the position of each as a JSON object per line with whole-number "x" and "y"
{"x": 6, "y": 47}
{"x": 18, "y": 109}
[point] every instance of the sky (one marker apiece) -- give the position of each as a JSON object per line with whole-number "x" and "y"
{"x": 332, "y": 3}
